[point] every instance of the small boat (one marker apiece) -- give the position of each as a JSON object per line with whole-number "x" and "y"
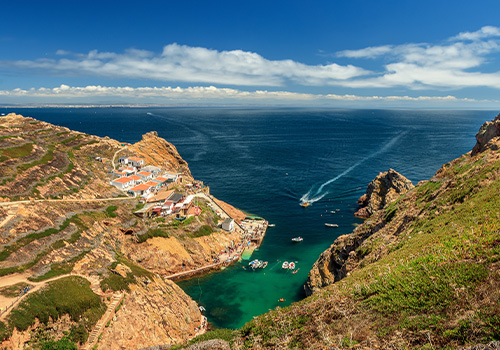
{"x": 264, "y": 264}
{"x": 271, "y": 225}
{"x": 294, "y": 272}
{"x": 291, "y": 265}
{"x": 297, "y": 239}
{"x": 285, "y": 265}
{"x": 333, "y": 212}
{"x": 338, "y": 209}
{"x": 202, "y": 309}
{"x": 305, "y": 204}
{"x": 331, "y": 225}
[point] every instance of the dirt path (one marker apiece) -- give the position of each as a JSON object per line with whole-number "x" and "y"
{"x": 114, "y": 156}
{"x": 67, "y": 200}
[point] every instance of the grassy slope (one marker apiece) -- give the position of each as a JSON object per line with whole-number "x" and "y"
{"x": 428, "y": 279}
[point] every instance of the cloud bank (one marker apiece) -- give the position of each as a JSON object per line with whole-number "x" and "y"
{"x": 200, "y": 93}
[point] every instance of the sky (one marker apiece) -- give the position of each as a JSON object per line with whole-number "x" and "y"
{"x": 418, "y": 54}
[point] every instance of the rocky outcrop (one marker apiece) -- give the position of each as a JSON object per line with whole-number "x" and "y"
{"x": 157, "y": 151}
{"x": 335, "y": 263}
{"x": 385, "y": 188}
{"x": 343, "y": 255}
{"x": 155, "y": 312}
{"x": 488, "y": 136}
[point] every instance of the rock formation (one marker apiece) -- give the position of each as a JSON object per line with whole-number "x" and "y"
{"x": 489, "y": 131}
{"x": 342, "y": 256}
{"x": 385, "y": 188}
{"x": 157, "y": 151}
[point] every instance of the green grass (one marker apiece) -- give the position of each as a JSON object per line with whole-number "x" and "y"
{"x": 110, "y": 211}
{"x": 47, "y": 157}
{"x": 67, "y": 296}
{"x": 205, "y": 230}
{"x": 85, "y": 144}
{"x": 152, "y": 232}
{"x": 60, "y": 268}
{"x": 17, "y": 152}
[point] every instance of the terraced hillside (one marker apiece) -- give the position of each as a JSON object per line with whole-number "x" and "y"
{"x": 61, "y": 219}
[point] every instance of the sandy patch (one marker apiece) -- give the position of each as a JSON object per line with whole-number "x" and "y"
{"x": 170, "y": 245}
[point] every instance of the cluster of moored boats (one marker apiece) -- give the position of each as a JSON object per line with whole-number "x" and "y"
{"x": 257, "y": 264}
{"x": 288, "y": 265}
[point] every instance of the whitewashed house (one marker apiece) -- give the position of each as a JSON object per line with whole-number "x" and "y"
{"x": 228, "y": 224}
{"x": 123, "y": 183}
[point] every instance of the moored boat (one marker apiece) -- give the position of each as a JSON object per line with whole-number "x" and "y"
{"x": 291, "y": 265}
{"x": 331, "y": 225}
{"x": 297, "y": 239}
{"x": 284, "y": 265}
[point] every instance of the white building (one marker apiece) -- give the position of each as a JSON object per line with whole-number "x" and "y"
{"x": 228, "y": 224}
{"x": 123, "y": 183}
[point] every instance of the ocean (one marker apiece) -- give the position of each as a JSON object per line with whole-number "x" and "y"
{"x": 265, "y": 161}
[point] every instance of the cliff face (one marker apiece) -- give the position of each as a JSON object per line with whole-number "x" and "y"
{"x": 156, "y": 312}
{"x": 159, "y": 152}
{"x": 489, "y": 131}
{"x": 335, "y": 262}
{"x": 382, "y": 190}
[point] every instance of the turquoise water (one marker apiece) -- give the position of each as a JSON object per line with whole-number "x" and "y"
{"x": 265, "y": 160}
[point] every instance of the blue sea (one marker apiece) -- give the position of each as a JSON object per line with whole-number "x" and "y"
{"x": 265, "y": 161}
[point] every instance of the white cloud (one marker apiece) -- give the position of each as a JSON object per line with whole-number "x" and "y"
{"x": 210, "y": 93}
{"x": 194, "y": 64}
{"x": 484, "y": 32}
{"x": 446, "y": 66}
{"x": 462, "y": 61}
{"x": 369, "y": 52}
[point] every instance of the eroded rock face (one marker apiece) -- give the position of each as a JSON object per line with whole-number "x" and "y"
{"x": 487, "y": 136}
{"x": 159, "y": 152}
{"x": 335, "y": 263}
{"x": 385, "y": 188}
{"x": 156, "y": 312}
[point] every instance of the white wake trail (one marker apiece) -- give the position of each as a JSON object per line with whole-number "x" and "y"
{"x": 319, "y": 194}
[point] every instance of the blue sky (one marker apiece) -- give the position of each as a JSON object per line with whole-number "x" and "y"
{"x": 316, "y": 53}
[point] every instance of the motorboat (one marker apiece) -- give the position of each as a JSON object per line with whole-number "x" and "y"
{"x": 285, "y": 265}
{"x": 305, "y": 204}
{"x": 291, "y": 266}
{"x": 271, "y": 225}
{"x": 331, "y": 225}
{"x": 297, "y": 239}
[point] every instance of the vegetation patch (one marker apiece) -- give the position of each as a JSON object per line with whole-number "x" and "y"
{"x": 70, "y": 295}
{"x": 17, "y": 152}
{"x": 152, "y": 232}
{"x": 47, "y": 157}
{"x": 204, "y": 230}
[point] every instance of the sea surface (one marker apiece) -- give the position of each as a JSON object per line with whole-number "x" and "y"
{"x": 265, "y": 161}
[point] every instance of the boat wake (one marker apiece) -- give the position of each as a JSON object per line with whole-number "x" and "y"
{"x": 313, "y": 196}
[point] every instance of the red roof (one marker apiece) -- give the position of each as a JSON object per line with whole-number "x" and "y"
{"x": 151, "y": 183}
{"x": 145, "y": 173}
{"x": 123, "y": 180}
{"x": 161, "y": 178}
{"x": 135, "y": 177}
{"x": 141, "y": 187}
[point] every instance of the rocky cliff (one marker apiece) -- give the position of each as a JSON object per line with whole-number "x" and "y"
{"x": 342, "y": 257}
{"x": 487, "y": 136}
{"x": 382, "y": 190}
{"x": 157, "y": 151}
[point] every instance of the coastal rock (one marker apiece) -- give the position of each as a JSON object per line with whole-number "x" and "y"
{"x": 385, "y": 188}
{"x": 157, "y": 151}
{"x": 487, "y": 136}
{"x": 343, "y": 255}
{"x": 158, "y": 312}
